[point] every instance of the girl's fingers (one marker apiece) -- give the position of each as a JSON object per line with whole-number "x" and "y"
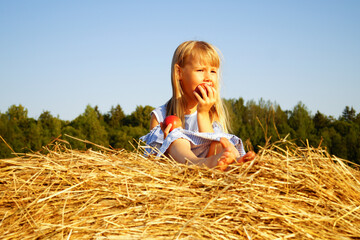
{"x": 162, "y": 126}
{"x": 249, "y": 156}
{"x": 165, "y": 130}
{"x": 222, "y": 165}
{"x": 207, "y": 100}
{"x": 206, "y": 91}
{"x": 198, "y": 97}
{"x": 210, "y": 91}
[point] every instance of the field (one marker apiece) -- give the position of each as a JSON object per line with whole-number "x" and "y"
{"x": 287, "y": 192}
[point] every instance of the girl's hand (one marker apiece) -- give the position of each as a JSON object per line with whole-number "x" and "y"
{"x": 205, "y": 103}
{"x": 207, "y": 100}
{"x": 165, "y": 130}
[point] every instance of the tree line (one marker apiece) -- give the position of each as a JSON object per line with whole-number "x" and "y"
{"x": 254, "y": 122}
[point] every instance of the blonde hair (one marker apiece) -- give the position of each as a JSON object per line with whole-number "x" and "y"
{"x": 207, "y": 53}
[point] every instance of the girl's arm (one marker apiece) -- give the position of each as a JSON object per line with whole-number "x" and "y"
{"x": 153, "y": 121}
{"x": 204, "y": 122}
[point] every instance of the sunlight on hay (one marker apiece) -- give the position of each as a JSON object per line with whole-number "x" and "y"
{"x": 287, "y": 192}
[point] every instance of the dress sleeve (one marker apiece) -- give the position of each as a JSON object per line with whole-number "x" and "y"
{"x": 160, "y": 113}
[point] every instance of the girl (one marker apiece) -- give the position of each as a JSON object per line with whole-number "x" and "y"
{"x": 203, "y": 138}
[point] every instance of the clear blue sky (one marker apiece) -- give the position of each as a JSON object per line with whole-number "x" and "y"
{"x": 60, "y": 56}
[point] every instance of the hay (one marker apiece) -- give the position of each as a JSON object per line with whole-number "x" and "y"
{"x": 287, "y": 192}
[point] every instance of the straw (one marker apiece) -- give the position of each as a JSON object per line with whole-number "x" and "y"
{"x": 287, "y": 192}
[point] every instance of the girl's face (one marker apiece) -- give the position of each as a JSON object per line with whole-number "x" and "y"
{"x": 195, "y": 72}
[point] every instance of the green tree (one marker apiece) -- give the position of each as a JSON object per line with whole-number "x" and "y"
{"x": 236, "y": 110}
{"x": 71, "y": 131}
{"x": 337, "y": 145}
{"x": 357, "y": 120}
{"x": 342, "y": 127}
{"x": 259, "y": 122}
{"x": 134, "y": 126}
{"x": 16, "y": 123}
{"x": 320, "y": 121}
{"x": 281, "y": 122}
{"x": 17, "y": 113}
{"x": 50, "y": 127}
{"x": 348, "y": 133}
{"x": 115, "y": 117}
{"x": 301, "y": 123}
{"x": 90, "y": 126}
{"x": 349, "y": 114}
{"x": 119, "y": 139}
{"x": 133, "y": 134}
{"x": 140, "y": 117}
{"x": 127, "y": 137}
{"x": 32, "y": 134}
{"x": 21, "y": 133}
{"x": 352, "y": 145}
{"x": 5, "y": 151}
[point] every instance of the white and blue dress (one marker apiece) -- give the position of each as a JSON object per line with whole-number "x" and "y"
{"x": 200, "y": 142}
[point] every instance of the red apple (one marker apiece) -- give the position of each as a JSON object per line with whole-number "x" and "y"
{"x": 174, "y": 120}
{"x": 201, "y": 85}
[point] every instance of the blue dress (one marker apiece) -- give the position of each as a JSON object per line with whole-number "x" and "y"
{"x": 200, "y": 142}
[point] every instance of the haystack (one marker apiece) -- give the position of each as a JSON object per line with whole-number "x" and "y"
{"x": 287, "y": 192}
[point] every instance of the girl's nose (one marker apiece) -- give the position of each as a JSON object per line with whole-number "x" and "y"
{"x": 207, "y": 75}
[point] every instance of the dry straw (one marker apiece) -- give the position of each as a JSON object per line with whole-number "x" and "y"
{"x": 287, "y": 192}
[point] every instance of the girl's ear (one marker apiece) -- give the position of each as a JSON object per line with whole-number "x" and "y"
{"x": 178, "y": 72}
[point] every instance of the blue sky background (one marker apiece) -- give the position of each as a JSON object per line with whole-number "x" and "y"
{"x": 60, "y": 56}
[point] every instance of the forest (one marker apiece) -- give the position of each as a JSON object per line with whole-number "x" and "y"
{"x": 256, "y": 123}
